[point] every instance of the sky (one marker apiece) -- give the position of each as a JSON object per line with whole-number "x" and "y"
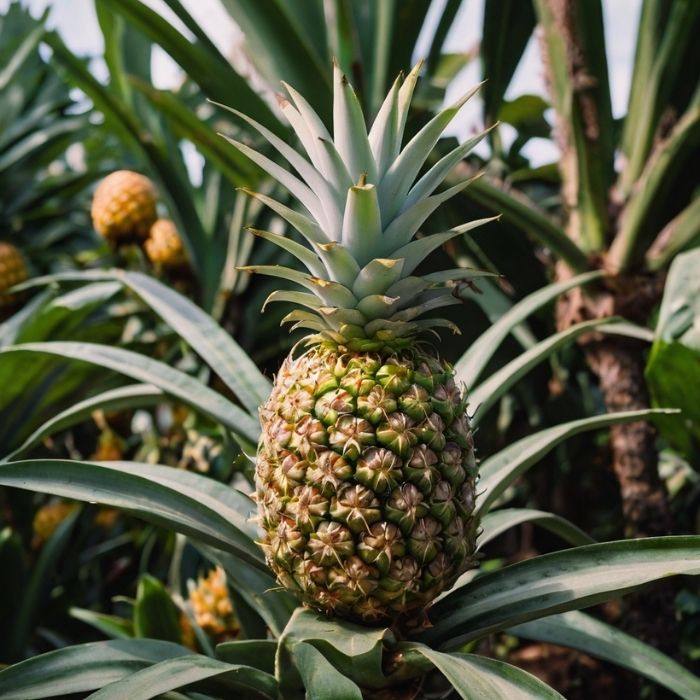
{"x": 75, "y": 20}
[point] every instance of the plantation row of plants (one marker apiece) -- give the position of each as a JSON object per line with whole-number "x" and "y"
{"x": 469, "y": 469}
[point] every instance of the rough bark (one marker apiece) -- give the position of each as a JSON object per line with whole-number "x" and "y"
{"x": 618, "y": 364}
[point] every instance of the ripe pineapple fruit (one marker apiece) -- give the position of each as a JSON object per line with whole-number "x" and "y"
{"x": 48, "y": 518}
{"x": 213, "y": 608}
{"x": 124, "y": 207}
{"x": 13, "y": 270}
{"x": 164, "y": 246}
{"x": 365, "y": 477}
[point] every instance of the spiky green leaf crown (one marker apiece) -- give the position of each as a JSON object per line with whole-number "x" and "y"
{"x": 362, "y": 210}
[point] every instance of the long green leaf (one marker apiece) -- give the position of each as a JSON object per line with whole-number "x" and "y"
{"x": 175, "y": 673}
{"x": 580, "y": 631}
{"x": 207, "y": 67}
{"x": 478, "y": 678}
{"x": 681, "y": 233}
{"x": 82, "y": 668}
{"x": 357, "y": 650}
{"x": 174, "y": 382}
{"x": 136, "y": 395}
{"x": 282, "y": 49}
{"x": 659, "y": 174}
{"x": 486, "y": 394}
{"x": 507, "y": 28}
{"x": 321, "y": 680}
{"x": 666, "y": 42}
{"x": 517, "y": 210}
{"x": 502, "y": 469}
{"x": 568, "y": 580}
{"x": 206, "y": 337}
{"x": 470, "y": 366}
{"x": 161, "y": 501}
{"x": 499, "y": 521}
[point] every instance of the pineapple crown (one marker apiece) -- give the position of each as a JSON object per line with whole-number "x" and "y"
{"x": 361, "y": 210}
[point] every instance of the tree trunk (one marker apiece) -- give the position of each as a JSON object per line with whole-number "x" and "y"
{"x": 618, "y": 363}
{"x": 619, "y": 367}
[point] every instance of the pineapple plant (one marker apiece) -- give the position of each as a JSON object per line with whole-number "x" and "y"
{"x": 124, "y": 207}
{"x": 365, "y": 476}
{"x": 164, "y": 246}
{"x": 212, "y": 606}
{"x": 13, "y": 270}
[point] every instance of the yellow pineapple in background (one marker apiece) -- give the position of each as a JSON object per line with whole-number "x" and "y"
{"x": 124, "y": 207}
{"x": 213, "y": 608}
{"x": 164, "y": 246}
{"x": 48, "y": 518}
{"x": 110, "y": 447}
{"x": 13, "y": 270}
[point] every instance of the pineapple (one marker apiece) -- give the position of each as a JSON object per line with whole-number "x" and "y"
{"x": 365, "y": 475}
{"x": 164, "y": 246}
{"x": 124, "y": 207}
{"x": 212, "y": 606}
{"x": 13, "y": 270}
{"x": 48, "y": 518}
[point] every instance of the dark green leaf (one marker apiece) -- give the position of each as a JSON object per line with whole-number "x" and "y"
{"x": 585, "y": 633}
{"x": 552, "y": 583}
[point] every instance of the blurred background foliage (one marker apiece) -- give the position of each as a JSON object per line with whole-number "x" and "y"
{"x": 621, "y": 198}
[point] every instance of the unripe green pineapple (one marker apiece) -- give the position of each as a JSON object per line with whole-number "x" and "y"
{"x": 124, "y": 207}
{"x": 366, "y": 470}
{"x": 13, "y": 270}
{"x": 164, "y": 246}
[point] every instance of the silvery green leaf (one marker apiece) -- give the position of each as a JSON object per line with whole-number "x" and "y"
{"x": 350, "y": 131}
{"x": 377, "y": 276}
{"x": 383, "y": 134}
{"x": 400, "y": 176}
{"x": 432, "y": 179}
{"x": 417, "y": 251}
{"x": 362, "y": 223}
{"x": 309, "y": 259}
{"x": 402, "y": 228}
{"x": 301, "y": 191}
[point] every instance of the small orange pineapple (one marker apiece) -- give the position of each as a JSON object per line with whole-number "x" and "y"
{"x": 13, "y": 270}
{"x": 164, "y": 246}
{"x": 48, "y": 518}
{"x": 124, "y": 207}
{"x": 110, "y": 447}
{"x": 213, "y": 608}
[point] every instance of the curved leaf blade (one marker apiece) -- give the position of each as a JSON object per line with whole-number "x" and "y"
{"x": 161, "y": 502}
{"x": 552, "y": 583}
{"x": 175, "y": 673}
{"x": 470, "y": 366}
{"x": 583, "y": 632}
{"x": 497, "y": 522}
{"x": 132, "y": 364}
{"x": 503, "y": 468}
{"x": 82, "y": 668}
{"x": 135, "y": 395}
{"x": 479, "y": 678}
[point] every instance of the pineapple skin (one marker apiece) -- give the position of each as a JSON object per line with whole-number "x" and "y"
{"x": 164, "y": 246}
{"x": 124, "y": 207}
{"x": 365, "y": 481}
{"x": 13, "y": 270}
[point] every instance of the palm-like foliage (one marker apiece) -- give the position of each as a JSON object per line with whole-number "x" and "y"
{"x": 322, "y": 656}
{"x": 305, "y": 654}
{"x": 42, "y": 205}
